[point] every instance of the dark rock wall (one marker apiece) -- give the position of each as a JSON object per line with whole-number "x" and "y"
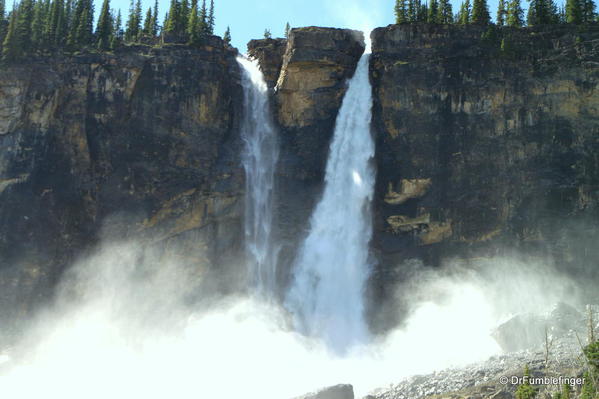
{"x": 480, "y": 148}
{"x": 140, "y": 144}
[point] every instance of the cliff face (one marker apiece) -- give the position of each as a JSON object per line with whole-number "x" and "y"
{"x": 142, "y": 144}
{"x": 484, "y": 139}
{"x": 309, "y": 91}
{"x": 482, "y": 143}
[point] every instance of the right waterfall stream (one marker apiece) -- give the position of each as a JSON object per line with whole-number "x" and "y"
{"x": 326, "y": 295}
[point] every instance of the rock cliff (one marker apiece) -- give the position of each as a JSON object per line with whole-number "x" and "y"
{"x": 485, "y": 137}
{"x": 141, "y": 144}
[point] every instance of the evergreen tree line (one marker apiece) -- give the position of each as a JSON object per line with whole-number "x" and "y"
{"x": 509, "y": 12}
{"x": 43, "y": 26}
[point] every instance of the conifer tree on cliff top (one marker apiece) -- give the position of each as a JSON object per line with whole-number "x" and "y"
{"x": 515, "y": 15}
{"x": 401, "y": 12}
{"x": 11, "y": 48}
{"x": 501, "y": 13}
{"x": 480, "y": 12}
{"x": 104, "y": 27}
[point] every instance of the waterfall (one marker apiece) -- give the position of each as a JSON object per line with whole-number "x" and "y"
{"x": 260, "y": 156}
{"x": 332, "y": 266}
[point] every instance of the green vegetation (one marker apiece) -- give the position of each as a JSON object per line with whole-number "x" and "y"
{"x": 227, "y": 36}
{"x": 525, "y": 390}
{"x": 36, "y": 27}
{"x": 436, "y": 12}
{"x": 564, "y": 394}
{"x": 509, "y": 12}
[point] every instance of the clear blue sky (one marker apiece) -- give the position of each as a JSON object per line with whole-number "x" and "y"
{"x": 248, "y": 19}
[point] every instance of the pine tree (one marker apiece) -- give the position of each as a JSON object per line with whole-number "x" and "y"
{"x": 574, "y": 12}
{"x": 422, "y": 13}
{"x": 77, "y": 31}
{"x": 184, "y": 13}
{"x": 2, "y": 10}
{"x": 25, "y": 17}
{"x": 480, "y": 13}
{"x": 227, "y": 36}
{"x": 588, "y": 11}
{"x": 104, "y": 27}
{"x": 464, "y": 14}
{"x": 541, "y": 12}
{"x": 401, "y": 12}
{"x": 58, "y": 23}
{"x": 11, "y": 47}
{"x": 171, "y": 18}
{"x": 203, "y": 15}
{"x": 38, "y": 26}
{"x": 134, "y": 21}
{"x": 67, "y": 16}
{"x": 148, "y": 23}
{"x": 155, "y": 26}
{"x": 267, "y": 34}
{"x": 211, "y": 18}
{"x": 287, "y": 30}
{"x": 118, "y": 34}
{"x": 194, "y": 26}
{"x": 433, "y": 7}
{"x": 501, "y": 13}
{"x": 81, "y": 33}
{"x": 515, "y": 15}
{"x": 554, "y": 17}
{"x": 445, "y": 12}
{"x": 412, "y": 10}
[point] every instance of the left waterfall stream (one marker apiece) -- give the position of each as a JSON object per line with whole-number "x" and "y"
{"x": 260, "y": 156}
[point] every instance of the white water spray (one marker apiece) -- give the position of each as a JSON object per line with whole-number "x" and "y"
{"x": 332, "y": 267}
{"x": 260, "y": 156}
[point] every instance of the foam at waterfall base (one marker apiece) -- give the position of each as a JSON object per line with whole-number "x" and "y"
{"x": 122, "y": 327}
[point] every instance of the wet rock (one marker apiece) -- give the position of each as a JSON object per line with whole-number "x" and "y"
{"x": 528, "y": 331}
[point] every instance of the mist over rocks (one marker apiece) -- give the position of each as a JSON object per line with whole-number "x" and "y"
{"x": 343, "y": 391}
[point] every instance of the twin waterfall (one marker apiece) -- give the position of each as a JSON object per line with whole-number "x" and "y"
{"x": 260, "y": 157}
{"x": 332, "y": 266}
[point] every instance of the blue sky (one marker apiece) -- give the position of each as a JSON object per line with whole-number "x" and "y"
{"x": 248, "y": 19}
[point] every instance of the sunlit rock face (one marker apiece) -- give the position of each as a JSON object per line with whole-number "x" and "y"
{"x": 309, "y": 91}
{"x": 141, "y": 143}
{"x": 478, "y": 146}
{"x": 269, "y": 53}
